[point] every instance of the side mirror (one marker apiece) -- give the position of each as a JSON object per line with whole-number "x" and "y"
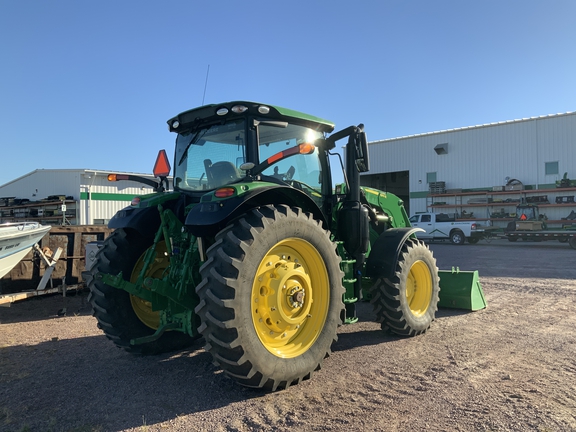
{"x": 361, "y": 152}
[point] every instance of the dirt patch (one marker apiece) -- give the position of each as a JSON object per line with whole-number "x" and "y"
{"x": 511, "y": 367}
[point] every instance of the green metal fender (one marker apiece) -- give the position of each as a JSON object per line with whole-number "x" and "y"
{"x": 209, "y": 217}
{"x": 458, "y": 289}
{"x": 385, "y": 251}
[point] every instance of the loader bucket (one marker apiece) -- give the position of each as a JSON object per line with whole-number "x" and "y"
{"x": 461, "y": 290}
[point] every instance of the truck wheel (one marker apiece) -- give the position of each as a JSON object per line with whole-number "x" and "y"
{"x": 271, "y": 297}
{"x": 473, "y": 240}
{"x": 572, "y": 242}
{"x": 457, "y": 237}
{"x": 407, "y": 303}
{"x": 512, "y": 239}
{"x": 120, "y": 315}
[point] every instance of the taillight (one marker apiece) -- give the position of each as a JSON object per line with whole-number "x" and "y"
{"x": 473, "y": 226}
{"x": 226, "y": 192}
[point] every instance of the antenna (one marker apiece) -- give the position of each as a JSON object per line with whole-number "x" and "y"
{"x": 205, "y": 84}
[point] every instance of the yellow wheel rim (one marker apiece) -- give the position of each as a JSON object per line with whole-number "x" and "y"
{"x": 419, "y": 288}
{"x": 290, "y": 298}
{"x": 143, "y": 308}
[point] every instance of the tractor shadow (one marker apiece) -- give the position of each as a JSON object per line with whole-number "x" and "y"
{"x": 87, "y": 383}
{"x": 367, "y": 332}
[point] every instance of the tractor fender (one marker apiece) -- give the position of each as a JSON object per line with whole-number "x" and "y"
{"x": 207, "y": 218}
{"x": 385, "y": 251}
{"x": 144, "y": 220}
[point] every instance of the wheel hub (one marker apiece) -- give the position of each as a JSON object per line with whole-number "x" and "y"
{"x": 290, "y": 298}
{"x": 296, "y": 297}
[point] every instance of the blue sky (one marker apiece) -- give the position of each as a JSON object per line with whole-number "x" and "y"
{"x": 90, "y": 84}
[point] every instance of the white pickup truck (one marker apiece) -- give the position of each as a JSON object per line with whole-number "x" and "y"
{"x": 443, "y": 227}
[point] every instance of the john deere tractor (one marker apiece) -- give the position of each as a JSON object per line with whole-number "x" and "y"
{"x": 256, "y": 251}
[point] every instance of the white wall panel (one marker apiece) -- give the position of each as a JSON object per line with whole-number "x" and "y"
{"x": 482, "y": 156}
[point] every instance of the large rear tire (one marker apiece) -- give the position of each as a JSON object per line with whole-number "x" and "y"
{"x": 271, "y": 297}
{"x": 122, "y": 316}
{"x": 406, "y": 305}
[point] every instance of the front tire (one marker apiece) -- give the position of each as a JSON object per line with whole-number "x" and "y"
{"x": 271, "y": 297}
{"x": 407, "y": 303}
{"x": 121, "y": 316}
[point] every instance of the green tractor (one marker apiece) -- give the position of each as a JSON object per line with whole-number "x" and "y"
{"x": 256, "y": 251}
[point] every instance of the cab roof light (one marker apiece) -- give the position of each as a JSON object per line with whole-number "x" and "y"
{"x": 239, "y": 109}
{"x": 222, "y": 111}
{"x": 225, "y": 192}
{"x": 263, "y": 109}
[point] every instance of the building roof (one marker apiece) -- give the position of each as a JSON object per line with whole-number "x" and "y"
{"x": 474, "y": 127}
{"x": 81, "y": 170}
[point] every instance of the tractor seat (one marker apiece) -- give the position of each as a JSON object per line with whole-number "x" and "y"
{"x": 221, "y": 173}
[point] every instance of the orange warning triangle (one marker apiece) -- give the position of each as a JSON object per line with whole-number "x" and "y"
{"x": 162, "y": 165}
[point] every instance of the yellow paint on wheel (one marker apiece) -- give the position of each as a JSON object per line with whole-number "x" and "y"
{"x": 143, "y": 308}
{"x": 290, "y": 298}
{"x": 419, "y": 288}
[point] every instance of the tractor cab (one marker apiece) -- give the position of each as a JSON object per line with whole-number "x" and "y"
{"x": 527, "y": 212}
{"x": 223, "y": 145}
{"x": 528, "y": 218}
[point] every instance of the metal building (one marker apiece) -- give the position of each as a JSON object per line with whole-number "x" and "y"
{"x": 536, "y": 151}
{"x": 67, "y": 196}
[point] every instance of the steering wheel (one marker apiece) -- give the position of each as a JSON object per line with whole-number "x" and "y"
{"x": 290, "y": 173}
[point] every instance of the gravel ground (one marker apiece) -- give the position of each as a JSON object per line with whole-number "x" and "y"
{"x": 510, "y": 367}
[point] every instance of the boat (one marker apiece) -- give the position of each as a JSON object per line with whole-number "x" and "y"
{"x": 16, "y": 240}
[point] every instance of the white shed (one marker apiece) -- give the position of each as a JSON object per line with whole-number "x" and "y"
{"x": 68, "y": 196}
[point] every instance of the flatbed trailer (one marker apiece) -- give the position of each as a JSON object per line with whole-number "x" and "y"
{"x": 563, "y": 236}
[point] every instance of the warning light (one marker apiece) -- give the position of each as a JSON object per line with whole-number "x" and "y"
{"x": 162, "y": 165}
{"x": 306, "y": 148}
{"x": 117, "y": 177}
{"x": 225, "y": 192}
